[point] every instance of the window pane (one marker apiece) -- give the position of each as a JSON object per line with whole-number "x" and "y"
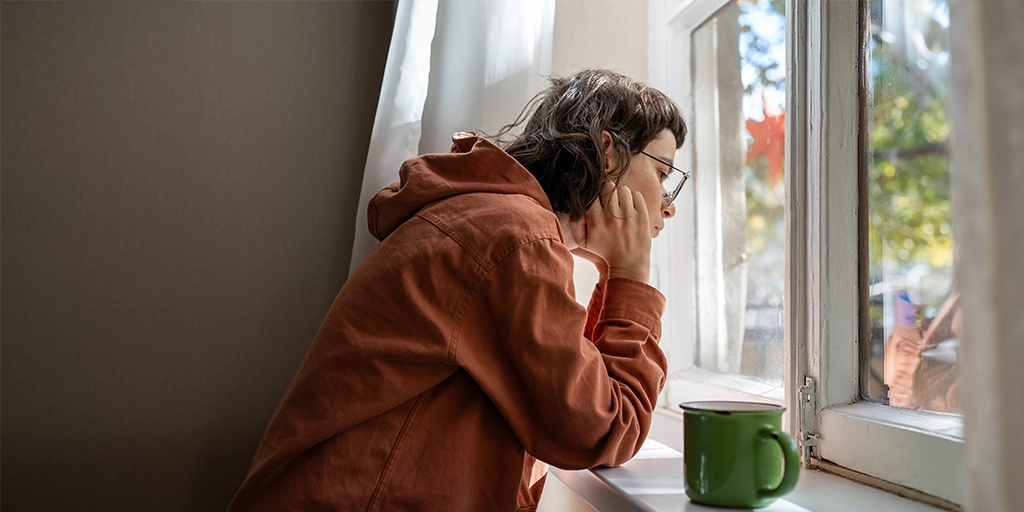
{"x": 910, "y": 359}
{"x": 739, "y": 87}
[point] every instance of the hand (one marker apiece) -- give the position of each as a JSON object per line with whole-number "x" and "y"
{"x": 602, "y": 266}
{"x": 617, "y": 230}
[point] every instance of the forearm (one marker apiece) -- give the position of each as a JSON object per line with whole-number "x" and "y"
{"x": 572, "y": 402}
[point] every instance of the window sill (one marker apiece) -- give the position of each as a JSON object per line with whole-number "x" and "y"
{"x": 694, "y": 383}
{"x": 653, "y": 482}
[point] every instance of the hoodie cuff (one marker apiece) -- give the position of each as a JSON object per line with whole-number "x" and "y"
{"x": 628, "y": 299}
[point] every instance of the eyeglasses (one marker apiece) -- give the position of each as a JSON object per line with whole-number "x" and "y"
{"x": 673, "y": 182}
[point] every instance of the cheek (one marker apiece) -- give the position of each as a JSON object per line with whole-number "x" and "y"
{"x": 655, "y": 212}
{"x": 652, "y": 195}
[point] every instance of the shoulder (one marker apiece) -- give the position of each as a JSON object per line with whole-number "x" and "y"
{"x": 490, "y": 226}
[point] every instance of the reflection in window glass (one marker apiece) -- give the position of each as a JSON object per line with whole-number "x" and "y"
{"x": 910, "y": 359}
{"x": 739, "y": 97}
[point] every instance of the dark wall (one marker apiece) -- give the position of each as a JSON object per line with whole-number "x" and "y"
{"x": 178, "y": 184}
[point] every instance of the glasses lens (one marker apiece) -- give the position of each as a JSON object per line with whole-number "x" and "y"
{"x": 673, "y": 183}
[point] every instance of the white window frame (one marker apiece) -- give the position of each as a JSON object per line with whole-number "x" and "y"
{"x": 674, "y": 253}
{"x": 918, "y": 454}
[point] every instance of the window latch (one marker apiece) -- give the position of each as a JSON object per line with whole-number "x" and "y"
{"x": 809, "y": 418}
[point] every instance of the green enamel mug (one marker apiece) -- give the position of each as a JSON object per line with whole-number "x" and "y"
{"x": 736, "y": 455}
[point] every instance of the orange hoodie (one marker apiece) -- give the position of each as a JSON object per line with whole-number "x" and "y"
{"x": 456, "y": 354}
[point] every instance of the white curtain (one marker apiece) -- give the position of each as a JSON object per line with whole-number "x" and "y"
{"x": 453, "y": 65}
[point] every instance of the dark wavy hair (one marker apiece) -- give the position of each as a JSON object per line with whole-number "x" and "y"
{"x": 561, "y": 142}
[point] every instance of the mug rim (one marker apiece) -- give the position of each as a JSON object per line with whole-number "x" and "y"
{"x": 731, "y": 407}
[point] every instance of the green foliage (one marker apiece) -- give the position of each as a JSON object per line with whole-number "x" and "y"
{"x": 908, "y": 164}
{"x": 908, "y": 177}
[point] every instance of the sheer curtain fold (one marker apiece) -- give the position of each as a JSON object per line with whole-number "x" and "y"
{"x": 453, "y": 65}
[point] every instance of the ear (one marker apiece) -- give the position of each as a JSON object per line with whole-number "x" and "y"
{"x": 610, "y": 158}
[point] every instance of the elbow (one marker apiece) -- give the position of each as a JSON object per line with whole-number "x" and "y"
{"x": 620, "y": 442}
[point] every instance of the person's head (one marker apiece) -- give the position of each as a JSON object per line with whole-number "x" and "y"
{"x": 592, "y": 127}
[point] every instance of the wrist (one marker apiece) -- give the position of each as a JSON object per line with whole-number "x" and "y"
{"x": 638, "y": 273}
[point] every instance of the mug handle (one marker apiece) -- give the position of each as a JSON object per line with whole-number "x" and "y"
{"x": 791, "y": 454}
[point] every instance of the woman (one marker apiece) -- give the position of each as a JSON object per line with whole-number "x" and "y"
{"x": 456, "y": 356}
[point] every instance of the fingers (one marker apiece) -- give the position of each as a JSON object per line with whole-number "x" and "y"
{"x": 625, "y": 202}
{"x": 618, "y": 233}
{"x": 640, "y": 206}
{"x": 620, "y": 203}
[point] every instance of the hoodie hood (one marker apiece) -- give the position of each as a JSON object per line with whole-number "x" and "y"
{"x": 474, "y": 164}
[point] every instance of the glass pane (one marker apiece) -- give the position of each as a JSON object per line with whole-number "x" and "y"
{"x": 739, "y": 87}
{"x": 911, "y": 356}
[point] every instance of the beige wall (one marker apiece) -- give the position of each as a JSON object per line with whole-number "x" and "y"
{"x": 179, "y": 184}
{"x": 600, "y": 33}
{"x": 605, "y": 34}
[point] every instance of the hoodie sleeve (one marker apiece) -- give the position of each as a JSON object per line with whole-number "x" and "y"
{"x": 571, "y": 402}
{"x": 594, "y": 308}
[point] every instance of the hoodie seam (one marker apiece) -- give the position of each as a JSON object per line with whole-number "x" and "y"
{"x": 454, "y": 342}
{"x": 390, "y": 464}
{"x": 513, "y": 245}
{"x": 447, "y": 229}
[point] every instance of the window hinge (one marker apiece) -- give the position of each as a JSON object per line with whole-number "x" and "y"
{"x": 809, "y": 418}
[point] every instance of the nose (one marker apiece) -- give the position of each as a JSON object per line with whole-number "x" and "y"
{"x": 667, "y": 210}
